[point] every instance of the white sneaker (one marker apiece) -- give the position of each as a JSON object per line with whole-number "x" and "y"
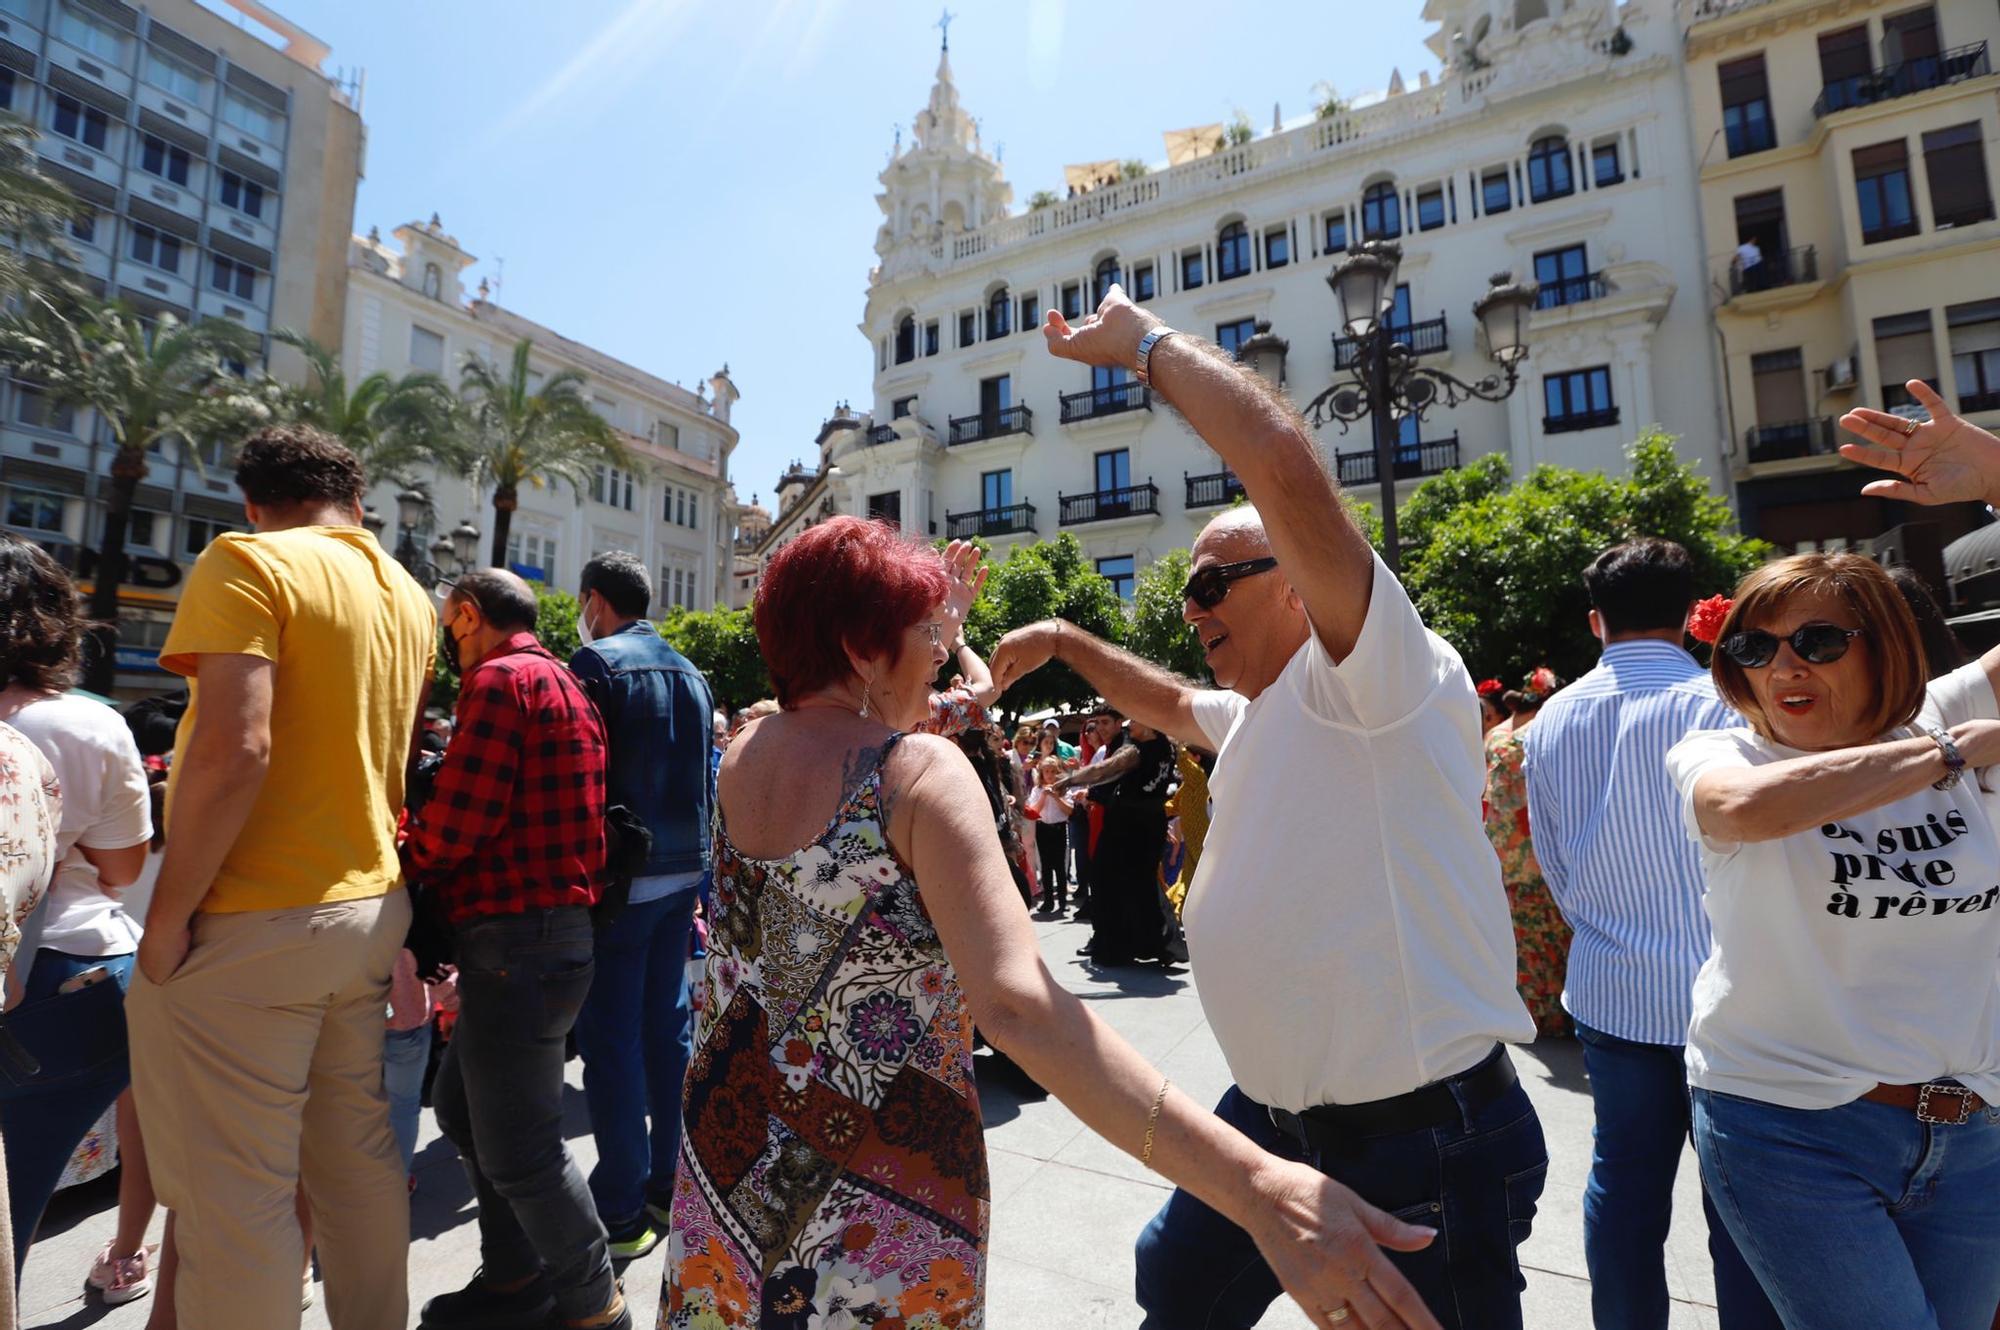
{"x": 124, "y": 1279}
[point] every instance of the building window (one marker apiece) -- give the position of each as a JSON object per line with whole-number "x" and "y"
{"x": 931, "y": 338}
{"x": 1121, "y": 573}
{"x": 32, "y": 407}
{"x": 999, "y": 306}
{"x": 6, "y": 87}
{"x": 1846, "y": 67}
{"x": 995, "y": 395}
{"x": 227, "y": 275}
{"x": 83, "y": 227}
{"x": 1381, "y": 212}
{"x": 1605, "y": 166}
{"x": 1975, "y": 354}
{"x": 1190, "y": 270}
{"x": 1231, "y": 336}
{"x": 1430, "y": 208}
{"x": 1072, "y": 300}
{"x": 143, "y": 528}
{"x": 246, "y": 196}
{"x": 680, "y": 517}
{"x": 1336, "y": 232}
{"x": 694, "y": 511}
{"x": 1277, "y": 247}
{"x": 156, "y": 249}
{"x": 667, "y": 435}
{"x": 906, "y": 340}
{"x": 1882, "y": 184}
{"x": 1904, "y": 350}
{"x": 426, "y": 350}
{"x": 1563, "y": 276}
{"x": 901, "y": 407}
{"x": 1114, "y": 470}
{"x": 169, "y": 74}
{"x": 167, "y": 160}
{"x": 1955, "y": 163}
{"x": 1746, "y": 106}
{"x": 198, "y": 532}
{"x": 1496, "y": 191}
{"x": 1145, "y": 285}
{"x": 1031, "y": 312}
{"x": 1549, "y": 170}
{"x": 1579, "y": 399}
{"x": 86, "y": 124}
{"x": 250, "y": 117}
{"x": 968, "y": 327}
{"x": 34, "y": 510}
{"x": 886, "y": 507}
{"x": 1107, "y": 276}
{"x": 532, "y": 556}
{"x": 611, "y": 486}
{"x": 996, "y": 490}
{"x": 1232, "y": 252}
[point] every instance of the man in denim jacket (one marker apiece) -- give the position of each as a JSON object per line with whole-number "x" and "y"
{"x": 634, "y": 1030}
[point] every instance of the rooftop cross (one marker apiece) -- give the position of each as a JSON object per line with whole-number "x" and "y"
{"x": 943, "y": 25}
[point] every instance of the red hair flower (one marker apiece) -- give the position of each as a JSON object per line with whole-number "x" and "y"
{"x": 1704, "y": 623}
{"x": 1491, "y": 688}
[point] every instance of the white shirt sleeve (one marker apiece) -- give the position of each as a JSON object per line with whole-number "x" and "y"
{"x": 1700, "y": 752}
{"x": 1217, "y": 710}
{"x": 1964, "y": 694}
{"x": 1394, "y": 668}
{"x": 124, "y": 809}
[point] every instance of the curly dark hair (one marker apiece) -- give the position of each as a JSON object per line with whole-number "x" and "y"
{"x": 41, "y": 625}
{"x": 287, "y": 464}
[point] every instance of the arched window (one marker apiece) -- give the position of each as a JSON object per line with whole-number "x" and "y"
{"x": 1551, "y": 174}
{"x": 906, "y": 340}
{"x": 1108, "y": 276}
{"x": 1381, "y": 212}
{"x": 1232, "y": 252}
{"x": 997, "y": 308}
{"x": 433, "y": 281}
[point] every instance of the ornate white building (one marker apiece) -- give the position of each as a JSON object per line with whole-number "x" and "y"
{"x": 1553, "y": 143}
{"x": 407, "y": 310}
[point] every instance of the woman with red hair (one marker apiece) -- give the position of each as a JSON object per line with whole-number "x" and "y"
{"x": 833, "y": 1170}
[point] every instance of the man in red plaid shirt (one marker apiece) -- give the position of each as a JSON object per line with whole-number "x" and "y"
{"x": 512, "y": 842}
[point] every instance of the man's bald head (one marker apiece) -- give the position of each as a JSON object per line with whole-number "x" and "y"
{"x": 1233, "y": 535}
{"x": 503, "y": 600}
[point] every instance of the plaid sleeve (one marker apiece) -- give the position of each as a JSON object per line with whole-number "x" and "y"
{"x": 475, "y": 784}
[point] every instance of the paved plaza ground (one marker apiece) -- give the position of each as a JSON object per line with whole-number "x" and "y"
{"x": 1067, "y": 1205}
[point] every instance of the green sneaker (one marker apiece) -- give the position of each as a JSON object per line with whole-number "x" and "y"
{"x": 634, "y": 1242}
{"x": 662, "y": 1215}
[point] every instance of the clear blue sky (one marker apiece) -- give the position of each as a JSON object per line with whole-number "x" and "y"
{"x": 686, "y": 182}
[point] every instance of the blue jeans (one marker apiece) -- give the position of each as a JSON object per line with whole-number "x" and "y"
{"x": 1476, "y": 1179}
{"x": 1859, "y": 1216}
{"x": 1641, "y": 1096}
{"x": 635, "y": 1038}
{"x": 405, "y": 1054}
{"x": 44, "y": 1125}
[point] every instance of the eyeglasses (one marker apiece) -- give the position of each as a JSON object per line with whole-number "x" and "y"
{"x": 1815, "y": 643}
{"x": 1210, "y": 586}
{"x": 933, "y": 632}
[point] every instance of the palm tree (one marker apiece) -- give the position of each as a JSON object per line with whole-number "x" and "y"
{"x": 146, "y": 382}
{"x": 392, "y": 424}
{"x": 33, "y": 207}
{"x": 524, "y": 435}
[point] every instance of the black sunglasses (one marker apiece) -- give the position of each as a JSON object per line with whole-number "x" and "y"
{"x": 1815, "y": 643}
{"x": 1210, "y": 587}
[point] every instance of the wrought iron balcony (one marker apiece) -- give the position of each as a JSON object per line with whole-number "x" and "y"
{"x": 1786, "y": 267}
{"x": 1791, "y": 438}
{"x": 1571, "y": 291}
{"x": 1110, "y": 400}
{"x": 1014, "y": 520}
{"x": 991, "y": 424}
{"x": 1428, "y": 338}
{"x": 882, "y": 434}
{"x": 1213, "y": 491}
{"x": 1109, "y": 505}
{"x": 1902, "y": 80}
{"x": 1427, "y": 458}
{"x": 1986, "y": 401}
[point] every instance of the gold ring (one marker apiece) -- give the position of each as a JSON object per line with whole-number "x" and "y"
{"x": 1909, "y": 426}
{"x": 1338, "y": 1314}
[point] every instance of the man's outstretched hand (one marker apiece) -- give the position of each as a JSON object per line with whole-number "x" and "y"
{"x": 1945, "y": 460}
{"x": 1021, "y": 653}
{"x": 1110, "y": 337}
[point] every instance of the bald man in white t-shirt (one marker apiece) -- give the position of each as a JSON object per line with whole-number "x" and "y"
{"x": 1349, "y": 933}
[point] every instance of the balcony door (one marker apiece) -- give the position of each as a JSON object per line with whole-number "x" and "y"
{"x": 995, "y": 396}
{"x": 1910, "y": 35}
{"x": 1561, "y": 275}
{"x": 1760, "y": 221}
{"x": 1108, "y": 382}
{"x": 996, "y": 491}
{"x": 1844, "y": 55}
{"x": 1114, "y": 470}
{"x": 1778, "y": 382}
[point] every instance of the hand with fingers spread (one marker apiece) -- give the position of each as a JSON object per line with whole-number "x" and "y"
{"x": 1110, "y": 337}
{"x": 965, "y": 567}
{"x": 1325, "y": 1244}
{"x": 1943, "y": 460}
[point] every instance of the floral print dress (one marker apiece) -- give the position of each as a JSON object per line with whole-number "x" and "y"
{"x": 833, "y": 1168}
{"x": 1541, "y": 934}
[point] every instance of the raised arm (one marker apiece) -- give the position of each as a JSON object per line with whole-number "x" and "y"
{"x": 1156, "y": 698}
{"x": 1119, "y": 765}
{"x": 1264, "y": 441}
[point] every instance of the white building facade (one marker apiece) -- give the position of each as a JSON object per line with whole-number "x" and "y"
{"x": 1553, "y": 144}
{"x": 407, "y": 310}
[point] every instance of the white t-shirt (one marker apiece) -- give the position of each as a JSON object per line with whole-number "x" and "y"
{"x": 1863, "y": 951}
{"x": 1046, "y": 807}
{"x": 1348, "y": 929}
{"x": 105, "y": 807}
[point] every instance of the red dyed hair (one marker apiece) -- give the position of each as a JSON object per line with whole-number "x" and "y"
{"x": 846, "y": 584}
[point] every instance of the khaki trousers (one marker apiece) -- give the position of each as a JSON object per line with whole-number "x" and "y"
{"x": 257, "y": 1065}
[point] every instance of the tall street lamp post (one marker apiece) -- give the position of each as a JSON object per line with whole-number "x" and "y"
{"x": 450, "y": 555}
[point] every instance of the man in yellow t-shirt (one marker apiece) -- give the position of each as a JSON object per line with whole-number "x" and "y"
{"x": 257, "y": 1013}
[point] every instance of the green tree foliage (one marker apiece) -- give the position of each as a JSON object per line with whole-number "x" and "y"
{"x": 1048, "y": 579}
{"x": 33, "y": 208}
{"x": 1159, "y": 633}
{"x": 392, "y": 423}
{"x": 722, "y": 644}
{"x": 1496, "y": 569}
{"x": 555, "y": 621}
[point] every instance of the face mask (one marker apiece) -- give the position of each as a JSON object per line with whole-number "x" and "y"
{"x": 583, "y": 627}
{"x": 447, "y": 653}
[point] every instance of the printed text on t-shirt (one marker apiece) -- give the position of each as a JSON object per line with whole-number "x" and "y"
{"x": 1900, "y": 855}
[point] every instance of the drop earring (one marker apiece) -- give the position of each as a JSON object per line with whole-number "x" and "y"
{"x": 865, "y": 686}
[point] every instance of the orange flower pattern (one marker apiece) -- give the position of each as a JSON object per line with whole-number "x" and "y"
{"x": 1541, "y": 934}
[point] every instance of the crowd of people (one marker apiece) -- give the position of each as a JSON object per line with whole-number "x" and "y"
{"x": 1762, "y": 895}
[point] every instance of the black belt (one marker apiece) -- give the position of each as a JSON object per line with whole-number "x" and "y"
{"x": 1431, "y": 1105}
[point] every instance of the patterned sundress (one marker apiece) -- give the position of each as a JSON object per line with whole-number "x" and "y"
{"x": 833, "y": 1167}
{"x": 1541, "y": 934}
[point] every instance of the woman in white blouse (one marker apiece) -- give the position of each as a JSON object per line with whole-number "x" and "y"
{"x": 30, "y": 812}
{"x": 1845, "y": 1045}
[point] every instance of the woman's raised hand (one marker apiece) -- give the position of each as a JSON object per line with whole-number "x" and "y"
{"x": 1943, "y": 460}
{"x": 964, "y": 566}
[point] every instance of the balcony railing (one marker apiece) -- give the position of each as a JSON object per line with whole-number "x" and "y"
{"x": 1901, "y": 80}
{"x": 1986, "y": 401}
{"x": 1409, "y": 461}
{"x": 1213, "y": 491}
{"x": 1014, "y": 520}
{"x": 992, "y": 424}
{"x": 1571, "y": 291}
{"x": 882, "y": 434}
{"x": 1109, "y": 505}
{"x": 1428, "y": 338}
{"x": 1791, "y": 438}
{"x": 1582, "y": 420}
{"x": 1109, "y": 400}
{"x": 1786, "y": 267}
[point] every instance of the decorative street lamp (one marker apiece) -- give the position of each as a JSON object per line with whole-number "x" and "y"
{"x": 1264, "y": 351}
{"x": 1389, "y": 385}
{"x": 465, "y": 544}
{"x": 411, "y": 507}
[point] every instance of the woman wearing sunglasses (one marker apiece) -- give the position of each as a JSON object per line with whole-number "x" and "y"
{"x": 1845, "y": 1045}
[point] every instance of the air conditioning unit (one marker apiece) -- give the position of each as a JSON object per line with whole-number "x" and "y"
{"x": 1843, "y": 373}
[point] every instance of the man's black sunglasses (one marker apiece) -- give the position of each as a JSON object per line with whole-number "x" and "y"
{"x": 1210, "y": 587}
{"x": 1815, "y": 643}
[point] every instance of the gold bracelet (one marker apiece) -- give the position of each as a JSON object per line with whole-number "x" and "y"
{"x": 1152, "y": 1121}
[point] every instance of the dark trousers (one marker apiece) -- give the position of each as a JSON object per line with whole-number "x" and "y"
{"x": 1641, "y": 1096}
{"x": 1052, "y": 842}
{"x": 1079, "y": 844}
{"x": 1476, "y": 1180}
{"x": 1128, "y": 915}
{"x": 499, "y": 1091}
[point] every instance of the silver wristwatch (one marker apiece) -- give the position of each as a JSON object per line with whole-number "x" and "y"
{"x": 1954, "y": 762}
{"x": 1142, "y": 371}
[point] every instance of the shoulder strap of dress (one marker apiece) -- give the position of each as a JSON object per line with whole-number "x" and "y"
{"x": 869, "y": 786}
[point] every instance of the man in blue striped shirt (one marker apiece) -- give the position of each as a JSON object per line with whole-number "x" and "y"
{"x": 1607, "y": 830}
